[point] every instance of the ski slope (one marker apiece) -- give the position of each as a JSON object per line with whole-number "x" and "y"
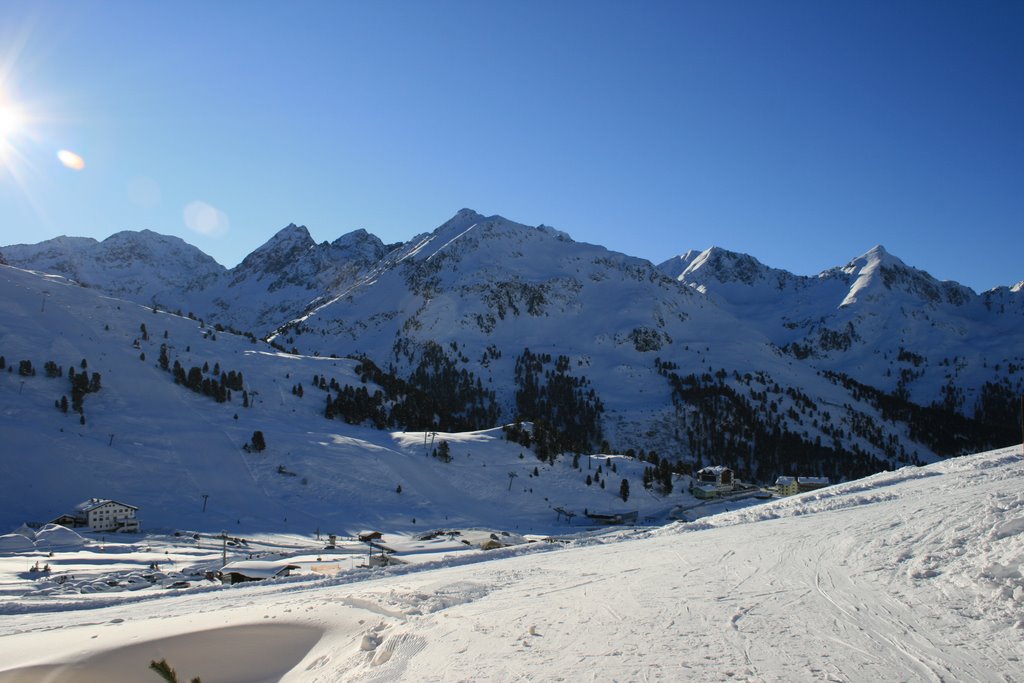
{"x": 908, "y": 575}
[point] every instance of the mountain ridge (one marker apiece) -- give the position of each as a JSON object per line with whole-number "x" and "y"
{"x": 479, "y": 298}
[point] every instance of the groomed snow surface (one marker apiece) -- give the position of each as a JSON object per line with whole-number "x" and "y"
{"x": 907, "y": 575}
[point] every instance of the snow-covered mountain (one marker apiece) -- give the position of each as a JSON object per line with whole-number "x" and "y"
{"x": 285, "y": 276}
{"x": 711, "y": 356}
{"x": 143, "y": 266}
{"x": 884, "y": 323}
{"x": 271, "y": 285}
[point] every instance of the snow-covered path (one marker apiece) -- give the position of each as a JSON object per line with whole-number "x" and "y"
{"x": 912, "y": 575}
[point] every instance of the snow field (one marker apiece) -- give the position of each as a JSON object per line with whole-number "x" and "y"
{"x": 912, "y": 575}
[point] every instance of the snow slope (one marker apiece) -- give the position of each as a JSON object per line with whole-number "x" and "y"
{"x": 909, "y": 575}
{"x": 157, "y": 445}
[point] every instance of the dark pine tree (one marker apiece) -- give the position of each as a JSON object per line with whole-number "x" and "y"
{"x": 258, "y": 442}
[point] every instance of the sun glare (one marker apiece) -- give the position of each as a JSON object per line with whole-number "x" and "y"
{"x": 11, "y": 121}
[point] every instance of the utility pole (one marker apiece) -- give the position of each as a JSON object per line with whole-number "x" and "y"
{"x": 1022, "y": 424}
{"x": 511, "y": 476}
{"x": 223, "y": 548}
{"x": 205, "y": 497}
{"x": 111, "y": 440}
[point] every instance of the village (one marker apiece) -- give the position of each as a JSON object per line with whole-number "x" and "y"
{"x": 99, "y": 546}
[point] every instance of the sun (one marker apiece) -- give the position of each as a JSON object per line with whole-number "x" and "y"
{"x": 11, "y": 121}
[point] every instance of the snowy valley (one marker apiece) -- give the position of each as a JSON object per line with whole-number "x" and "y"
{"x": 487, "y": 396}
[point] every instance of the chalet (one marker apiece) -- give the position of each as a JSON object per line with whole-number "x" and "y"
{"x": 786, "y": 486}
{"x": 254, "y": 570}
{"x": 718, "y": 475}
{"x": 101, "y": 514}
{"x": 70, "y": 521}
{"x": 367, "y": 536}
{"x": 812, "y": 483}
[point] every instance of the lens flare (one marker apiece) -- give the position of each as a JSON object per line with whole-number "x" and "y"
{"x": 206, "y": 219}
{"x": 71, "y": 160}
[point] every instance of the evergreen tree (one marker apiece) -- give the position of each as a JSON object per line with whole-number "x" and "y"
{"x": 258, "y": 442}
{"x": 624, "y": 490}
{"x": 443, "y": 452}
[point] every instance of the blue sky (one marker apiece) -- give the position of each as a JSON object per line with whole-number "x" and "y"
{"x": 802, "y": 133}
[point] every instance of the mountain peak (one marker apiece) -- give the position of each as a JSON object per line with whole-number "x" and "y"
{"x": 292, "y": 232}
{"x": 360, "y": 242}
{"x": 878, "y": 273}
{"x": 291, "y": 237}
{"x": 877, "y": 255}
{"x": 722, "y": 265}
{"x": 462, "y": 220}
{"x": 285, "y": 246}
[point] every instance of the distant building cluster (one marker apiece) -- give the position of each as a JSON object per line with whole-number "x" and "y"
{"x": 719, "y": 481}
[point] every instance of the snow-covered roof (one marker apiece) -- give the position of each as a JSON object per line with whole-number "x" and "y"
{"x": 94, "y": 503}
{"x": 715, "y": 469}
{"x": 257, "y": 569}
{"x": 813, "y": 480}
{"x": 784, "y": 481}
{"x": 26, "y": 531}
{"x": 57, "y": 535}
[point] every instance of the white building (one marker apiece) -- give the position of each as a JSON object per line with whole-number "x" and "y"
{"x": 718, "y": 475}
{"x": 787, "y": 486}
{"x": 100, "y": 514}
